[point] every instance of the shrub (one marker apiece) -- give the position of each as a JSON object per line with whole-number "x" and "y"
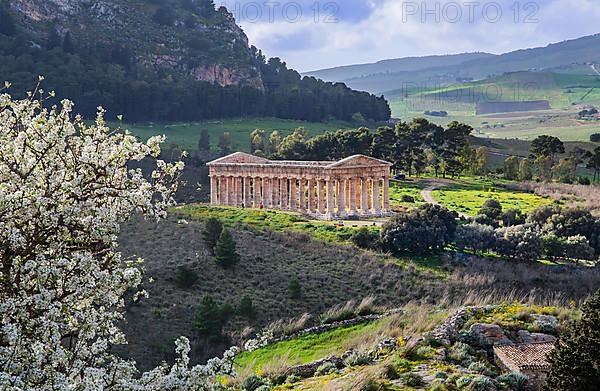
{"x": 325, "y": 369}
{"x": 357, "y": 359}
{"x": 290, "y": 326}
{"x": 407, "y": 198}
{"x": 520, "y": 242}
{"x": 459, "y": 353}
{"x": 185, "y": 278}
{"x": 291, "y": 379}
{"x": 427, "y": 229}
{"x": 225, "y": 250}
{"x": 512, "y": 217}
{"x": 515, "y": 381}
{"x": 365, "y": 238}
{"x": 295, "y": 289}
{"x": 475, "y": 236}
{"x": 164, "y": 15}
{"x": 480, "y": 368}
{"x": 252, "y": 383}
{"x": 426, "y": 352}
{"x": 412, "y": 379}
{"x": 481, "y": 383}
{"x": 246, "y": 308}
{"x": 492, "y": 209}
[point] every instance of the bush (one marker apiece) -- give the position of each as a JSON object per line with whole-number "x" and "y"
{"x": 325, "y": 369}
{"x": 185, "y": 278}
{"x": 365, "y": 238}
{"x": 210, "y": 318}
{"x": 459, "y": 353}
{"x": 512, "y": 217}
{"x": 357, "y": 359}
{"x": 291, "y": 379}
{"x": 252, "y": 383}
{"x": 412, "y": 379}
{"x": 427, "y": 229}
{"x": 492, "y": 209}
{"x": 474, "y": 236}
{"x": 515, "y": 381}
{"x": 520, "y": 242}
{"x": 407, "y": 198}
{"x": 339, "y": 313}
{"x": 295, "y": 289}
{"x": 480, "y": 368}
{"x": 367, "y": 307}
{"x": 164, "y": 15}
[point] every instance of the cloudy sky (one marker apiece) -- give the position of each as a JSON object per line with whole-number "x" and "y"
{"x": 314, "y": 34}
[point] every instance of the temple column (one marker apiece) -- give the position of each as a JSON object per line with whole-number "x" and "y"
{"x": 229, "y": 192}
{"x": 239, "y": 191}
{"x": 222, "y": 190}
{"x": 275, "y": 193}
{"x": 320, "y": 197}
{"x": 283, "y": 187}
{"x": 302, "y": 198}
{"x": 247, "y": 192}
{"x": 330, "y": 205}
{"x": 364, "y": 195}
{"x": 293, "y": 194}
{"x": 341, "y": 197}
{"x": 352, "y": 184}
{"x": 376, "y": 196}
{"x": 257, "y": 197}
{"x": 311, "y": 195}
{"x": 267, "y": 197}
{"x": 214, "y": 190}
{"x": 386, "y": 194}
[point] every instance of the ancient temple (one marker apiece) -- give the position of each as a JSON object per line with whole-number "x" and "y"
{"x": 357, "y": 186}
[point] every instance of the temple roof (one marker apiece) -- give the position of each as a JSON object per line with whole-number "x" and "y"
{"x": 241, "y": 158}
{"x": 531, "y": 356}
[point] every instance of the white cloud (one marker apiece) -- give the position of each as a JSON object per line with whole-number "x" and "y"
{"x": 382, "y": 33}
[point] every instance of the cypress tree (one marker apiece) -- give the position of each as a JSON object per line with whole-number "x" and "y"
{"x": 207, "y": 320}
{"x": 225, "y": 250}
{"x": 212, "y": 232}
{"x": 576, "y": 359}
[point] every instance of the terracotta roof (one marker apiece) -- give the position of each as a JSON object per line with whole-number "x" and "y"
{"x": 532, "y": 356}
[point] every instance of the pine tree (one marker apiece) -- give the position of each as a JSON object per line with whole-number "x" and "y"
{"x": 246, "y": 308}
{"x": 225, "y": 250}
{"x": 212, "y": 232}
{"x": 208, "y": 320}
{"x": 295, "y": 289}
{"x": 576, "y": 359}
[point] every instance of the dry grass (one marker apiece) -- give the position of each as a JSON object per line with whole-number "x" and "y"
{"x": 572, "y": 195}
{"x": 330, "y": 275}
{"x": 283, "y": 327}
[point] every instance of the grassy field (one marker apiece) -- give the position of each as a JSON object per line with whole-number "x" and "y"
{"x": 304, "y": 349}
{"x": 468, "y": 195}
{"x": 259, "y": 220}
{"x": 186, "y": 135}
{"x": 398, "y": 190}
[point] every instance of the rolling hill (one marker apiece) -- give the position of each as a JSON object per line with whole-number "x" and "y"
{"x": 573, "y": 56}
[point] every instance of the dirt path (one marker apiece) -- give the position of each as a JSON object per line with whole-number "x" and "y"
{"x": 427, "y": 194}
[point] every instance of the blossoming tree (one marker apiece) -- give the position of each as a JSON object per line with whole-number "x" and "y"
{"x": 65, "y": 189}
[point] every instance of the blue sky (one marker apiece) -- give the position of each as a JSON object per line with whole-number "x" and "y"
{"x": 345, "y": 32}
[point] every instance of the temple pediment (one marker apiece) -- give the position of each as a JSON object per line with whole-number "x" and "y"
{"x": 239, "y": 158}
{"x": 359, "y": 161}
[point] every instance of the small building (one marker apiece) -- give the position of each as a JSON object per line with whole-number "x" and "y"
{"x": 357, "y": 186}
{"x": 530, "y": 359}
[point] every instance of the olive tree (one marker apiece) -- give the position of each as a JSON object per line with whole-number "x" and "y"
{"x": 65, "y": 189}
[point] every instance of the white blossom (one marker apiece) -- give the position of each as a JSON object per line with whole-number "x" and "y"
{"x": 65, "y": 189}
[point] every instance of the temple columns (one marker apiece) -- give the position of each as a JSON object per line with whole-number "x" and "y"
{"x": 376, "y": 196}
{"x": 364, "y": 195}
{"x": 257, "y": 196}
{"x": 283, "y": 191}
{"x": 341, "y": 197}
{"x": 311, "y": 195}
{"x": 247, "y": 192}
{"x": 330, "y": 204}
{"x": 320, "y": 197}
{"x": 214, "y": 197}
{"x": 386, "y": 194}
{"x": 302, "y": 199}
{"x": 293, "y": 194}
{"x": 352, "y": 185}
